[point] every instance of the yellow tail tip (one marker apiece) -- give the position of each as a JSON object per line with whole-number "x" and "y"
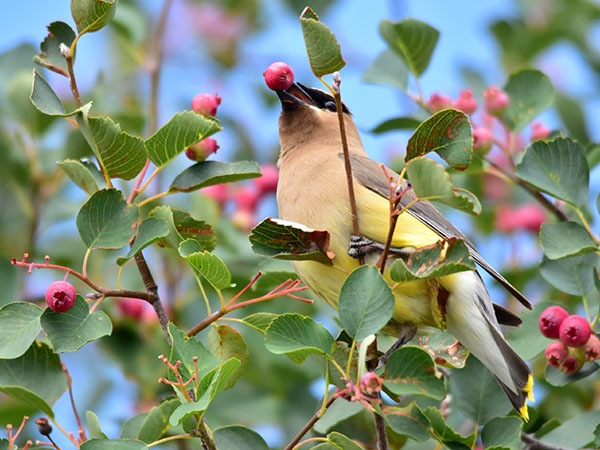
{"x": 524, "y": 412}
{"x": 529, "y": 388}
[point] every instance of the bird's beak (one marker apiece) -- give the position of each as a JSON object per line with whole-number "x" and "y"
{"x": 295, "y": 95}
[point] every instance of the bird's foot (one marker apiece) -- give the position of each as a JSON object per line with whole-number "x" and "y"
{"x": 361, "y": 246}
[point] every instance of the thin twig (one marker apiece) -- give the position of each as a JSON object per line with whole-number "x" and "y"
{"x": 206, "y": 438}
{"x": 73, "y": 81}
{"x": 382, "y": 440}
{"x": 531, "y": 443}
{"x": 306, "y": 428}
{"x": 82, "y": 436}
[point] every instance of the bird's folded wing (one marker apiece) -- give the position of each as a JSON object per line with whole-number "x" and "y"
{"x": 370, "y": 174}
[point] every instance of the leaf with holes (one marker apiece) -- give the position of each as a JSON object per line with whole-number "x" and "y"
{"x": 448, "y": 133}
{"x": 106, "y": 220}
{"x": 184, "y": 129}
{"x": 151, "y": 230}
{"x": 92, "y": 15}
{"x": 19, "y": 326}
{"x": 323, "y": 50}
{"x": 50, "y": 56}
{"x": 209, "y": 173}
{"x": 444, "y": 348}
{"x": 530, "y": 93}
{"x": 290, "y": 241}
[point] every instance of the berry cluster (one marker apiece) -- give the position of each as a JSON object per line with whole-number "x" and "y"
{"x": 575, "y": 343}
{"x": 206, "y": 105}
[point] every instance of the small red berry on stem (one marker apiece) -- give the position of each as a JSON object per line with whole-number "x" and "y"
{"x": 202, "y": 150}
{"x": 575, "y": 331}
{"x": 591, "y": 349}
{"x": 571, "y": 365}
{"x": 279, "y": 76}
{"x": 60, "y": 296}
{"x": 496, "y": 101}
{"x": 437, "y": 102}
{"x": 556, "y": 353}
{"x": 466, "y": 103}
{"x": 483, "y": 139}
{"x": 550, "y": 320}
{"x": 206, "y": 104}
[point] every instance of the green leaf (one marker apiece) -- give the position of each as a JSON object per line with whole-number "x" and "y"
{"x": 502, "y": 431}
{"x": 122, "y": 154}
{"x": 132, "y": 426}
{"x": 189, "y": 409}
{"x": 198, "y": 230}
{"x": 564, "y": 239}
{"x": 19, "y": 326}
{"x": 430, "y": 181}
{"x": 184, "y": 349}
{"x": 338, "y": 412}
{"x": 297, "y": 337}
{"x": 113, "y": 444}
{"x": 51, "y": 57}
{"x": 173, "y": 239}
{"x": 445, "y": 257}
{"x": 366, "y": 302}
{"x": 70, "y": 330}
{"x": 389, "y": 70}
{"x": 226, "y": 342}
{"x": 46, "y": 101}
{"x": 106, "y": 220}
{"x": 576, "y": 432}
{"x": 156, "y": 422}
{"x": 93, "y": 424}
{"x": 414, "y": 41}
{"x": 343, "y": 442}
{"x": 323, "y": 49}
{"x": 397, "y": 123}
{"x": 290, "y": 241}
{"x": 556, "y": 377}
{"x": 558, "y": 167}
{"x": 530, "y": 92}
{"x": 444, "y": 347}
{"x": 527, "y": 340}
{"x": 411, "y": 370}
{"x": 80, "y": 174}
{"x": 237, "y": 437}
{"x": 36, "y": 377}
{"x": 92, "y": 15}
{"x": 443, "y": 432}
{"x": 570, "y": 275}
{"x": 405, "y": 422}
{"x": 476, "y": 393}
{"x": 448, "y": 133}
{"x": 209, "y": 173}
{"x": 259, "y": 321}
{"x": 211, "y": 267}
{"x": 151, "y": 230}
{"x": 184, "y": 129}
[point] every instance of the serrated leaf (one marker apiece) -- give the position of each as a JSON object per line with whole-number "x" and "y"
{"x": 387, "y": 69}
{"x": 366, "y": 302}
{"x": 106, "y": 220}
{"x": 448, "y": 133}
{"x": 184, "y": 129}
{"x": 476, "y": 393}
{"x": 445, "y": 257}
{"x": 19, "y": 326}
{"x": 526, "y": 339}
{"x": 259, "y": 321}
{"x": 530, "y": 92}
{"x": 297, "y": 337}
{"x": 561, "y": 240}
{"x": 430, "y": 181}
{"x": 70, "y": 330}
{"x": 211, "y": 267}
{"x": 558, "y": 167}
{"x": 411, "y": 370}
{"x": 237, "y": 437}
{"x": 570, "y": 275}
{"x": 51, "y": 57}
{"x": 414, "y": 41}
{"x": 404, "y": 422}
{"x": 209, "y": 173}
{"x": 92, "y": 15}
{"x": 198, "y": 230}
{"x": 290, "y": 241}
{"x": 397, "y": 123}
{"x": 338, "y": 412}
{"x": 113, "y": 444}
{"x": 122, "y": 154}
{"x": 184, "y": 349}
{"x": 156, "y": 422}
{"x": 151, "y": 230}
{"x": 502, "y": 431}
{"x": 226, "y": 342}
{"x": 93, "y": 424}
{"x": 80, "y": 175}
{"x": 36, "y": 377}
{"x": 323, "y": 50}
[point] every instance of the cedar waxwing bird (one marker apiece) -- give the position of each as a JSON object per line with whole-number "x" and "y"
{"x": 313, "y": 191}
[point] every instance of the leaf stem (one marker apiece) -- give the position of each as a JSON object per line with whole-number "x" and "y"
{"x": 154, "y": 197}
{"x": 68, "y": 435}
{"x": 85, "y": 261}
{"x": 135, "y": 191}
{"x": 82, "y": 436}
{"x": 586, "y": 225}
{"x": 170, "y": 438}
{"x": 307, "y": 441}
{"x": 309, "y": 425}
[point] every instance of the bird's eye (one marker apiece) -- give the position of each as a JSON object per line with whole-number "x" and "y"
{"x": 330, "y": 106}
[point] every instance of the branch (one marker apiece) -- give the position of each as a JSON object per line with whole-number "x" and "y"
{"x": 532, "y": 443}
{"x": 382, "y": 440}
{"x": 306, "y": 428}
{"x": 82, "y": 436}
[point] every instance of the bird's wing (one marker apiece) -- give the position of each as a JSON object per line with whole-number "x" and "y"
{"x": 370, "y": 174}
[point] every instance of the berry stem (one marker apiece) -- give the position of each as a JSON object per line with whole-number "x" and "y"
{"x": 154, "y": 197}
{"x": 82, "y": 436}
{"x": 68, "y": 435}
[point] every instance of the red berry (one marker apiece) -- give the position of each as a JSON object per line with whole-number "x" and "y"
{"x": 217, "y": 192}
{"x": 206, "y": 104}
{"x": 571, "y": 365}
{"x": 131, "y": 307}
{"x": 539, "y": 131}
{"x": 202, "y": 150}
{"x": 556, "y": 353}
{"x": 437, "y": 102}
{"x": 575, "y": 331}
{"x": 591, "y": 348}
{"x": 370, "y": 383}
{"x": 550, "y": 321}
{"x": 246, "y": 199}
{"x": 60, "y": 296}
{"x": 268, "y": 182}
{"x": 496, "y": 101}
{"x": 483, "y": 139}
{"x": 279, "y": 76}
{"x": 466, "y": 103}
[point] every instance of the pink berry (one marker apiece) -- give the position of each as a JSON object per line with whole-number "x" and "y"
{"x": 217, "y": 192}
{"x": 268, "y": 182}
{"x": 539, "y": 131}
{"x": 571, "y": 365}
{"x": 483, "y": 139}
{"x": 60, "y": 296}
{"x": 496, "y": 100}
{"x": 131, "y": 307}
{"x": 591, "y": 348}
{"x": 371, "y": 384}
{"x": 246, "y": 199}
{"x": 437, "y": 102}
{"x": 550, "y": 320}
{"x": 574, "y": 331}
{"x": 279, "y": 76}
{"x": 202, "y": 150}
{"x": 466, "y": 103}
{"x": 556, "y": 353}
{"x": 529, "y": 217}
{"x": 206, "y": 104}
